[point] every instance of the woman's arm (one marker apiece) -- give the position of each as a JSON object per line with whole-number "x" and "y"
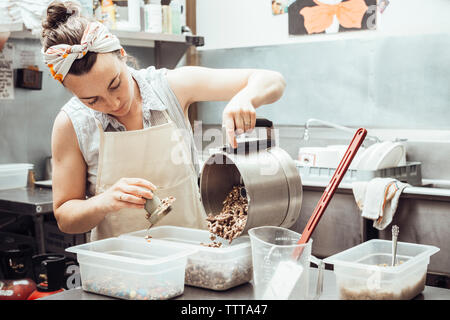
{"x": 73, "y": 212}
{"x": 245, "y": 89}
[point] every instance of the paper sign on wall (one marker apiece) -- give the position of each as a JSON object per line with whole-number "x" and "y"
{"x": 331, "y": 16}
{"x": 6, "y": 72}
{"x": 26, "y": 58}
{"x": 280, "y": 6}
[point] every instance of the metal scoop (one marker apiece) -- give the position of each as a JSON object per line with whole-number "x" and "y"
{"x": 157, "y": 208}
{"x": 395, "y": 232}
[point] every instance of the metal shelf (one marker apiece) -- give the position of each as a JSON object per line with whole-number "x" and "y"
{"x": 168, "y": 48}
{"x": 146, "y": 39}
{"x": 129, "y": 38}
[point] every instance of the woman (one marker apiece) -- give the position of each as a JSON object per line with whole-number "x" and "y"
{"x": 114, "y": 142}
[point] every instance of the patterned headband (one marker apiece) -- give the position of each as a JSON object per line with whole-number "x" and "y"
{"x": 96, "y": 38}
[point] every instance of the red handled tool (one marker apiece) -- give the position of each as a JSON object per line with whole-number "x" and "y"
{"x": 349, "y": 155}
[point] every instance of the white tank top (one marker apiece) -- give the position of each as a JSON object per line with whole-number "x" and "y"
{"x": 156, "y": 97}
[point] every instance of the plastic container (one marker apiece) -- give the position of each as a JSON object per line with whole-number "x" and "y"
{"x": 276, "y": 275}
{"x": 364, "y": 272}
{"x": 176, "y": 12}
{"x": 183, "y": 13}
{"x": 108, "y": 14}
{"x": 129, "y": 269}
{"x": 153, "y": 16}
{"x": 132, "y": 12}
{"x": 166, "y": 19}
{"x": 14, "y": 175}
{"x": 211, "y": 268}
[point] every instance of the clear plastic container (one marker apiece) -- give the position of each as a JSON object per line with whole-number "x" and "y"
{"x": 211, "y": 268}
{"x": 130, "y": 269}
{"x": 364, "y": 272}
{"x": 14, "y": 175}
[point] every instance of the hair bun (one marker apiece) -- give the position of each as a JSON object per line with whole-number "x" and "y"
{"x": 59, "y": 12}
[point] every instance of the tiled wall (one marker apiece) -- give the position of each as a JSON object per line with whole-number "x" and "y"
{"x": 382, "y": 82}
{"x": 399, "y": 85}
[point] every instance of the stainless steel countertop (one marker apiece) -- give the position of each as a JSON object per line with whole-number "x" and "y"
{"x": 429, "y": 193}
{"x": 38, "y": 200}
{"x": 245, "y": 292}
{"x": 27, "y": 201}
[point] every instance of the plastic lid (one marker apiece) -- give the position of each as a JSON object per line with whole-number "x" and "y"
{"x": 189, "y": 237}
{"x": 13, "y": 168}
{"x": 355, "y": 256}
{"x": 133, "y": 255}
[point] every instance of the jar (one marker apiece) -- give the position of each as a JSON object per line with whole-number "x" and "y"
{"x": 153, "y": 16}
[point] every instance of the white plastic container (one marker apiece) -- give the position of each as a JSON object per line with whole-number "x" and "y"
{"x": 364, "y": 272}
{"x": 166, "y": 19}
{"x": 176, "y": 12}
{"x": 133, "y": 22}
{"x": 153, "y": 16}
{"x": 183, "y": 12}
{"x": 130, "y": 269}
{"x": 211, "y": 268}
{"x": 14, "y": 175}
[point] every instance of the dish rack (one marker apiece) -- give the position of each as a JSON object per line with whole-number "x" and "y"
{"x": 410, "y": 173}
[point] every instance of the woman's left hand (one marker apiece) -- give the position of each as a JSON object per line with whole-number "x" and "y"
{"x": 239, "y": 116}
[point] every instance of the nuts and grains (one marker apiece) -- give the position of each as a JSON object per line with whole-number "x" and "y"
{"x": 217, "y": 275}
{"x": 163, "y": 208}
{"x": 115, "y": 287}
{"x": 359, "y": 291}
{"x": 230, "y": 222}
{"x": 205, "y": 272}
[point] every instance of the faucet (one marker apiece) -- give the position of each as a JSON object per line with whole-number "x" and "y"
{"x": 333, "y": 125}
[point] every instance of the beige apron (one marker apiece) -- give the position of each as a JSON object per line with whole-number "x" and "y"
{"x": 160, "y": 155}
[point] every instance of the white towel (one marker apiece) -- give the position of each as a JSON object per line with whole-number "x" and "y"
{"x": 378, "y": 199}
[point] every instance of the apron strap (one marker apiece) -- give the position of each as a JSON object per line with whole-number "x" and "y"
{"x": 166, "y": 115}
{"x": 101, "y": 133}
{"x": 99, "y": 125}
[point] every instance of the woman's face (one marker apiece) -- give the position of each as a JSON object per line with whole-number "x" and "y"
{"x": 108, "y": 87}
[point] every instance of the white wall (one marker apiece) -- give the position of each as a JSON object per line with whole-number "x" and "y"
{"x": 248, "y": 23}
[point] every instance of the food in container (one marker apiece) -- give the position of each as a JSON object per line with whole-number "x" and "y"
{"x": 364, "y": 272}
{"x": 216, "y": 268}
{"x": 230, "y": 221}
{"x": 130, "y": 269}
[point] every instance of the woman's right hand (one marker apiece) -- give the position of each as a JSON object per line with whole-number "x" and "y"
{"x": 126, "y": 193}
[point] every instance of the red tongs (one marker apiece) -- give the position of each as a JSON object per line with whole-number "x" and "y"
{"x": 349, "y": 155}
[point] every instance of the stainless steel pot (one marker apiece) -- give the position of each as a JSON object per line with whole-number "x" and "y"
{"x": 272, "y": 182}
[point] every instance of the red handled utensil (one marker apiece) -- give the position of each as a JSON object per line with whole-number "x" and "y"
{"x": 346, "y": 160}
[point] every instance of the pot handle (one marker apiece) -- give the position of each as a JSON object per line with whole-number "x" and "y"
{"x": 263, "y": 122}
{"x": 252, "y": 144}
